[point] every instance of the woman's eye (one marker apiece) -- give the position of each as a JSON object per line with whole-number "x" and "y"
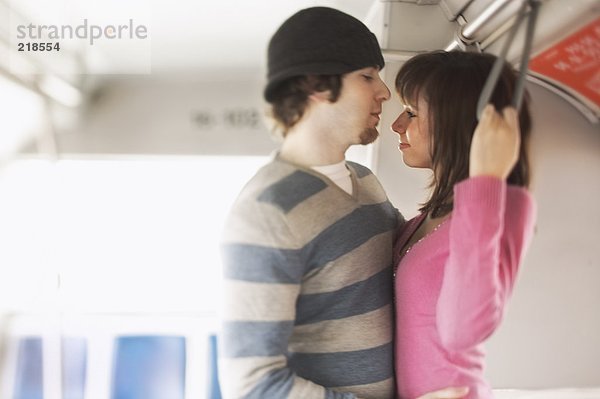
{"x": 411, "y": 114}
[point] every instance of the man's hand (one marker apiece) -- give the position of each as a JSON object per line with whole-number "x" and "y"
{"x": 495, "y": 144}
{"x": 447, "y": 393}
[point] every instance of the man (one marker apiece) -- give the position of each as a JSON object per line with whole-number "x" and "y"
{"x": 307, "y": 247}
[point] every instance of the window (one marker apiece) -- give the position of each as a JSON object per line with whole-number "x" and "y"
{"x": 116, "y": 235}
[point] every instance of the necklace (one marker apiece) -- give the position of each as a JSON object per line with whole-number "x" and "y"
{"x": 410, "y": 247}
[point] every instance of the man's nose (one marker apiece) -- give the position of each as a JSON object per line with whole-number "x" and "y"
{"x": 383, "y": 93}
{"x": 386, "y": 94}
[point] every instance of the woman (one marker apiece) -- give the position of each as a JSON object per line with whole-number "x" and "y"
{"x": 457, "y": 261}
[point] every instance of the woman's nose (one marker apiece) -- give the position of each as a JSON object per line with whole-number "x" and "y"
{"x": 401, "y": 123}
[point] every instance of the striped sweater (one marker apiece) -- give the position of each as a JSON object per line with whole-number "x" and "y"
{"x": 308, "y": 287}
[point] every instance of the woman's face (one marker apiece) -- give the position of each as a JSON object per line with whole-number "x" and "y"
{"x": 412, "y": 127}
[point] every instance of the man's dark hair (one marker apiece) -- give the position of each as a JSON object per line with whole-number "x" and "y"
{"x": 290, "y": 98}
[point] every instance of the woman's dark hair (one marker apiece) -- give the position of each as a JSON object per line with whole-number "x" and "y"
{"x": 451, "y": 83}
{"x": 290, "y": 99}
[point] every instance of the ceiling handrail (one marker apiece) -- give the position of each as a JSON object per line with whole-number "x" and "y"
{"x": 494, "y": 75}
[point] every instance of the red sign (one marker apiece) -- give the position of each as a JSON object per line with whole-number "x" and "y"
{"x": 574, "y": 62}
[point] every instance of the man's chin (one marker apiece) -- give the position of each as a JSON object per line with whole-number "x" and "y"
{"x": 368, "y": 136}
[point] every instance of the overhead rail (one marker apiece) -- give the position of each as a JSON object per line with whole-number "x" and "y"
{"x": 494, "y": 75}
{"x": 498, "y": 13}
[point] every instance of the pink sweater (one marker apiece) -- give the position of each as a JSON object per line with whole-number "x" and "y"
{"x": 452, "y": 286}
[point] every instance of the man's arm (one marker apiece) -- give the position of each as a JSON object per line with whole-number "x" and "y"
{"x": 263, "y": 271}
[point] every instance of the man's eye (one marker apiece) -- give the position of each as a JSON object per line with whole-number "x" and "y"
{"x": 368, "y": 77}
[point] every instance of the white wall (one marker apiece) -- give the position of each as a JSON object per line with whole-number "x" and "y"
{"x": 192, "y": 114}
{"x": 551, "y": 335}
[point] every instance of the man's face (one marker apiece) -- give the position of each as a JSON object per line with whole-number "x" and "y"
{"x": 358, "y": 108}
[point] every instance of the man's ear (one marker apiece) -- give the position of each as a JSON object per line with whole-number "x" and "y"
{"x": 321, "y": 96}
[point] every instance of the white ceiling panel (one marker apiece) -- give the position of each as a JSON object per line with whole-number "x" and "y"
{"x": 185, "y": 35}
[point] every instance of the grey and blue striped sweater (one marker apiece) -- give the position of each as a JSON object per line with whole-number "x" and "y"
{"x": 308, "y": 287}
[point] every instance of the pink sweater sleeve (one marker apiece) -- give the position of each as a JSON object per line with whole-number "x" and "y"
{"x": 490, "y": 229}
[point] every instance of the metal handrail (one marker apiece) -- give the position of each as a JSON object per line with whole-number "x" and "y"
{"x": 469, "y": 32}
{"x": 494, "y": 75}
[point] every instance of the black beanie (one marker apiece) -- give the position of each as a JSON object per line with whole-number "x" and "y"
{"x": 320, "y": 41}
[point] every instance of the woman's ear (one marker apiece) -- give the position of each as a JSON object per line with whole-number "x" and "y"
{"x": 321, "y": 96}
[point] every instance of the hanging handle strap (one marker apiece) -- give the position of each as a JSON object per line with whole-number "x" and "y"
{"x": 492, "y": 80}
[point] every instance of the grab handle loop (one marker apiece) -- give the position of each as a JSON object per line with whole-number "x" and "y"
{"x": 492, "y": 80}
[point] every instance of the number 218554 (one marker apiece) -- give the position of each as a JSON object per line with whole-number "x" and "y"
{"x": 38, "y": 46}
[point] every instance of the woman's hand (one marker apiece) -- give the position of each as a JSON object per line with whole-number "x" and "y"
{"x": 495, "y": 144}
{"x": 447, "y": 393}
